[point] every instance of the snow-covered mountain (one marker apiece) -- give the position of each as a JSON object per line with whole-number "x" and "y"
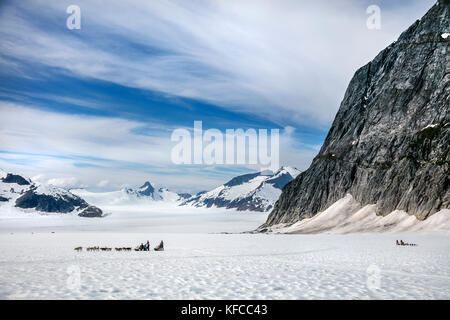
{"x": 17, "y": 191}
{"x": 255, "y": 191}
{"x": 149, "y": 192}
{"x": 127, "y": 196}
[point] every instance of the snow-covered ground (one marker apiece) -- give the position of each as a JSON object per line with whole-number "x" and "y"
{"x": 143, "y": 217}
{"x": 221, "y": 266}
{"x": 38, "y": 261}
{"x": 126, "y": 196}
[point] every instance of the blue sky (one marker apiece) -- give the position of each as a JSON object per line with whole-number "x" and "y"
{"x": 95, "y": 107}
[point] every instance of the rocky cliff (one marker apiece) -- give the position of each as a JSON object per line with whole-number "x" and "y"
{"x": 389, "y": 143}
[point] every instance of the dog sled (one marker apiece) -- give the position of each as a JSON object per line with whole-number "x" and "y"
{"x": 160, "y": 247}
{"x": 142, "y": 247}
{"x": 401, "y": 243}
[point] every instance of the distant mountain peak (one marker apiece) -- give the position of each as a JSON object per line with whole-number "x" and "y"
{"x": 256, "y": 191}
{"x": 15, "y": 178}
{"x": 146, "y": 189}
{"x": 146, "y": 185}
{"x": 145, "y": 192}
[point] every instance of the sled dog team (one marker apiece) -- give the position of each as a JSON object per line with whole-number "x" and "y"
{"x": 401, "y": 243}
{"x": 141, "y": 247}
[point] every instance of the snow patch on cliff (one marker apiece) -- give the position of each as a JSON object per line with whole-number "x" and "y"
{"x": 348, "y": 216}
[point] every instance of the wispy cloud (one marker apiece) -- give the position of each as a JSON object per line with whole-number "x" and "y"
{"x": 78, "y": 100}
{"x": 36, "y": 131}
{"x": 95, "y": 149}
{"x": 286, "y": 60}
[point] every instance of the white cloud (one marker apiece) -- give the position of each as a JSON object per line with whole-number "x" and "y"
{"x": 103, "y": 152}
{"x": 287, "y": 60}
{"x": 41, "y": 132}
{"x": 103, "y": 183}
{"x": 65, "y": 183}
{"x": 61, "y": 182}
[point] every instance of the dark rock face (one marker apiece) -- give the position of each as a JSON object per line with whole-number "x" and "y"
{"x": 49, "y": 203}
{"x": 248, "y": 203}
{"x": 280, "y": 181}
{"x": 91, "y": 212}
{"x": 184, "y": 195}
{"x": 146, "y": 189}
{"x": 43, "y": 198}
{"x": 241, "y": 204}
{"x": 14, "y": 178}
{"x": 241, "y": 179}
{"x": 389, "y": 143}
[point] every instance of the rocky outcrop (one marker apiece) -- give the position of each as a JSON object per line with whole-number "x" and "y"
{"x": 184, "y": 196}
{"x": 20, "y": 192}
{"x": 62, "y": 203}
{"x": 389, "y": 143}
{"x": 15, "y": 178}
{"x": 91, "y": 212}
{"x": 146, "y": 190}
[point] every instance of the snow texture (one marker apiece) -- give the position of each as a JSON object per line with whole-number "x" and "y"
{"x": 220, "y": 266}
{"x": 38, "y": 261}
{"x": 348, "y": 216}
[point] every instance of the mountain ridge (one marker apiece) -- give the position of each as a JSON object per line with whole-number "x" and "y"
{"x": 253, "y": 191}
{"x": 125, "y": 196}
{"x": 23, "y": 193}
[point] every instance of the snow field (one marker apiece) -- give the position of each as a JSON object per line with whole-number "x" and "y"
{"x": 224, "y": 266}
